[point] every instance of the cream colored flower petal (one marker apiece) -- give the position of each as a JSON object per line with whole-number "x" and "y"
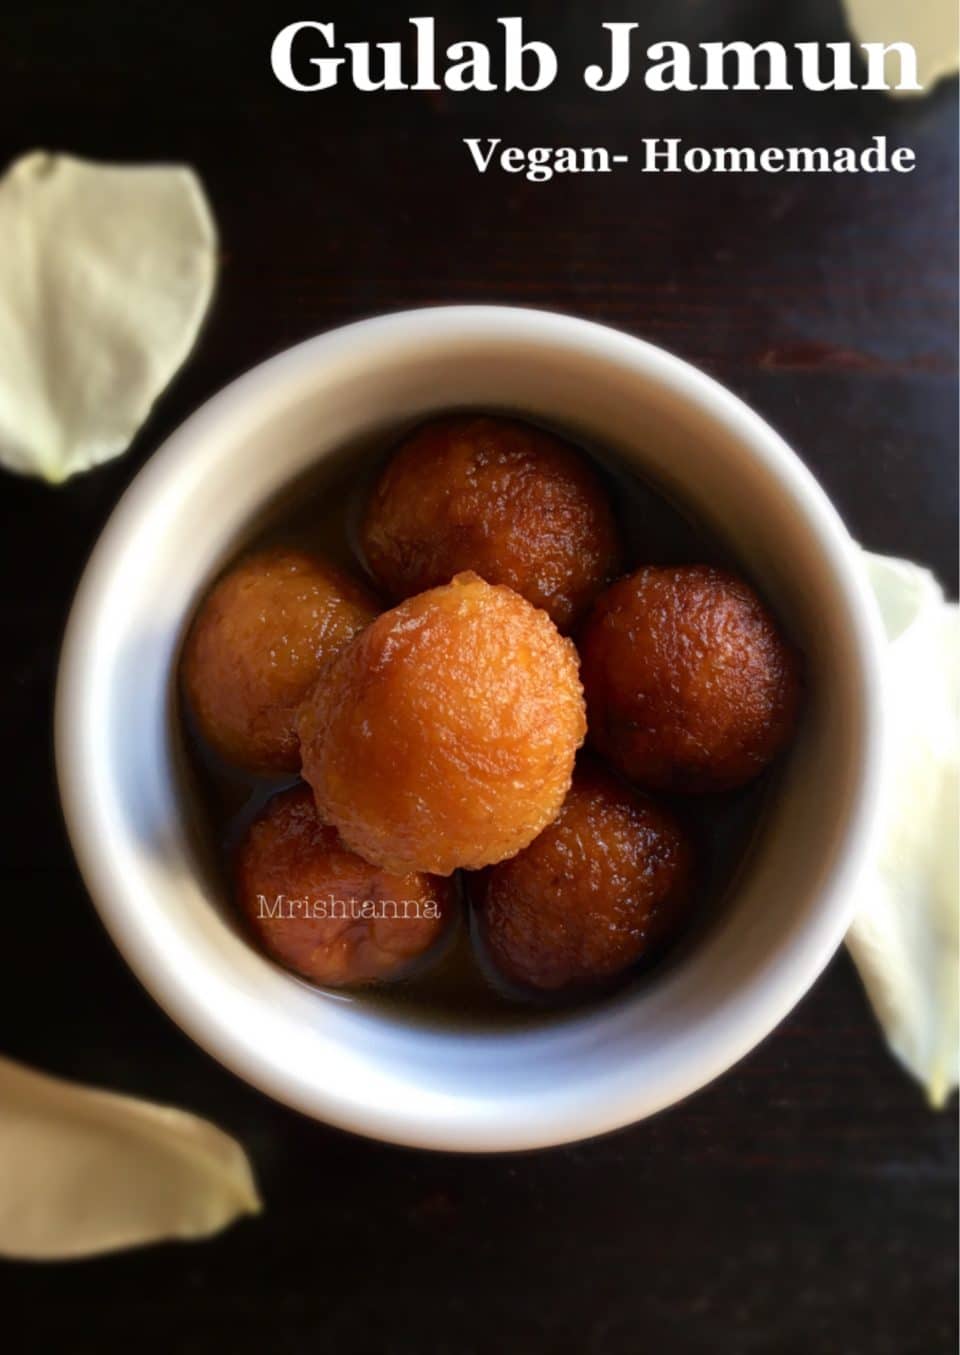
{"x": 84, "y": 1171}
{"x": 906, "y": 935}
{"x": 106, "y": 273}
{"x": 932, "y": 27}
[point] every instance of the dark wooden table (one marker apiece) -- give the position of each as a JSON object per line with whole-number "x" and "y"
{"x": 806, "y": 1202}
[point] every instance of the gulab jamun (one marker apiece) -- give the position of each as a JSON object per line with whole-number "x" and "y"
{"x": 444, "y": 734}
{"x": 690, "y": 685}
{"x": 607, "y": 882}
{"x": 321, "y": 910}
{"x": 257, "y": 646}
{"x": 516, "y": 505}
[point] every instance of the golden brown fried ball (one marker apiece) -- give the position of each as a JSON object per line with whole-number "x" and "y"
{"x": 325, "y": 913}
{"x": 444, "y": 735}
{"x": 516, "y": 505}
{"x": 607, "y": 882}
{"x": 690, "y": 685}
{"x": 256, "y": 647}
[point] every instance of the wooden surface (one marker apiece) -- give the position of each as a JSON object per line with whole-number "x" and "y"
{"x": 806, "y": 1202}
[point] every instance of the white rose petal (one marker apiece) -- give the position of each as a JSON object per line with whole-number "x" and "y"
{"x": 906, "y": 935}
{"x": 106, "y": 273}
{"x": 932, "y": 27}
{"x": 84, "y": 1171}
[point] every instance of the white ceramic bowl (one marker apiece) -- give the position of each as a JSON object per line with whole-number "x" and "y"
{"x": 348, "y": 1063}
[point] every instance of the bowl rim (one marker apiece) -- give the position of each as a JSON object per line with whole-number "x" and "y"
{"x": 778, "y": 988}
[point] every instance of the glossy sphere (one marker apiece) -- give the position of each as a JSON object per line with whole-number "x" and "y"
{"x": 257, "y": 646}
{"x": 444, "y": 735}
{"x": 690, "y": 685}
{"x": 511, "y": 502}
{"x": 606, "y": 882}
{"x": 338, "y": 921}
